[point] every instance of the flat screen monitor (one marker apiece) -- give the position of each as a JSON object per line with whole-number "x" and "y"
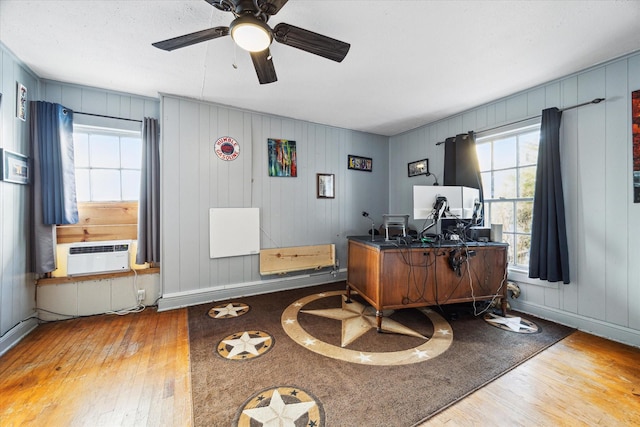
{"x": 460, "y": 200}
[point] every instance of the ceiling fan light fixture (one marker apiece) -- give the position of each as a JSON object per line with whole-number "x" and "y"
{"x": 250, "y": 34}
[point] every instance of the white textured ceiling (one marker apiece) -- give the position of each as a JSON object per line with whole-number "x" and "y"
{"x": 410, "y": 63}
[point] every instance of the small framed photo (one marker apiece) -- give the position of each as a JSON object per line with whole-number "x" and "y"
{"x": 359, "y": 163}
{"x": 326, "y": 186}
{"x": 421, "y": 167}
{"x": 21, "y": 102}
{"x": 15, "y": 167}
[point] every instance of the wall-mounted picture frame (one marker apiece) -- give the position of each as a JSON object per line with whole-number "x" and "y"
{"x": 421, "y": 167}
{"x": 283, "y": 158}
{"x": 21, "y": 102}
{"x": 635, "y": 132}
{"x": 359, "y": 163}
{"x": 15, "y": 167}
{"x": 325, "y": 186}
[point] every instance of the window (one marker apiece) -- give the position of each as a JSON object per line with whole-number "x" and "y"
{"x": 508, "y": 167}
{"x": 107, "y": 163}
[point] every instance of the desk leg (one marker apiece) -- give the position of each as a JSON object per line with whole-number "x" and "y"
{"x": 348, "y": 301}
{"x": 504, "y": 306}
{"x": 379, "y": 320}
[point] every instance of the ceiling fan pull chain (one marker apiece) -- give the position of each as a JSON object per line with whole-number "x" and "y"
{"x": 235, "y": 56}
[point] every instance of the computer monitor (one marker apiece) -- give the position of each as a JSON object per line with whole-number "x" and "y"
{"x": 460, "y": 201}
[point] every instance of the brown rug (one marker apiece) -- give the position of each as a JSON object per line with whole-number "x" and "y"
{"x": 249, "y": 368}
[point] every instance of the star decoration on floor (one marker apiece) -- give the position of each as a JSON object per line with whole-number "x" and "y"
{"x": 281, "y": 407}
{"x": 363, "y": 358}
{"x": 224, "y": 311}
{"x": 245, "y": 345}
{"x": 278, "y": 413}
{"x": 357, "y": 319}
{"x": 420, "y": 354}
{"x": 512, "y": 323}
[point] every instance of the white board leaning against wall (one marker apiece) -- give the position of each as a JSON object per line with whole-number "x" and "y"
{"x": 234, "y": 232}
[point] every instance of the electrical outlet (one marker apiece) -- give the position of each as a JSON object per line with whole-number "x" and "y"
{"x": 141, "y": 295}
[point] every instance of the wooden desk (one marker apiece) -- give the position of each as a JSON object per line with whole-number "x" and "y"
{"x": 389, "y": 275}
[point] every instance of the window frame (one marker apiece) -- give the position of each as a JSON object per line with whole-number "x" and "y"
{"x": 489, "y": 137}
{"x": 109, "y": 131}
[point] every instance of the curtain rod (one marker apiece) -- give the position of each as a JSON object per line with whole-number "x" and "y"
{"x": 594, "y": 101}
{"x": 107, "y": 117}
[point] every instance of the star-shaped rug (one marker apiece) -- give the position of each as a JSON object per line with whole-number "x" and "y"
{"x": 512, "y": 323}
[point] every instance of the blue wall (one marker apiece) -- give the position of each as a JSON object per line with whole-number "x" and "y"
{"x": 602, "y": 220}
{"x": 17, "y": 290}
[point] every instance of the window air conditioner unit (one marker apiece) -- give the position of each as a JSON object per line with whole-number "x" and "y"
{"x": 98, "y": 257}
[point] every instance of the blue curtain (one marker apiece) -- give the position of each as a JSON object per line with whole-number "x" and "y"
{"x": 54, "y": 141}
{"x": 54, "y": 195}
{"x": 549, "y": 256}
{"x": 149, "y": 205}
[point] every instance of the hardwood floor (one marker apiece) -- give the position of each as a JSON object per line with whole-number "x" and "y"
{"x": 583, "y": 380}
{"x": 134, "y": 370}
{"x": 105, "y": 370}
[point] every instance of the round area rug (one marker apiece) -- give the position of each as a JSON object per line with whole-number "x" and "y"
{"x": 229, "y": 310}
{"x": 245, "y": 345}
{"x": 355, "y": 320}
{"x": 281, "y": 406}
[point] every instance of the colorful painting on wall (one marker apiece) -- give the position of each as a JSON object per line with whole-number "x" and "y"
{"x": 359, "y": 163}
{"x": 635, "y": 130}
{"x": 282, "y": 157}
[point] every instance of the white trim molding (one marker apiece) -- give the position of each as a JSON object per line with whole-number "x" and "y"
{"x": 597, "y": 327}
{"x": 237, "y": 290}
{"x": 16, "y": 334}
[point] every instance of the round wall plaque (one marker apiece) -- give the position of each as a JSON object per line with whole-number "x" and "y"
{"x": 227, "y": 148}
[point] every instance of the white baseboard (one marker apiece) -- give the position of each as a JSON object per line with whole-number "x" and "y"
{"x": 237, "y": 290}
{"x": 593, "y": 326}
{"x": 15, "y": 335}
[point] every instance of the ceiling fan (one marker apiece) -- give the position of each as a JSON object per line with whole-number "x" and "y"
{"x": 250, "y": 31}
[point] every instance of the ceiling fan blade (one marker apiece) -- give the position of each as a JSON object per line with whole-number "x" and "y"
{"x": 311, "y": 42}
{"x": 193, "y": 38}
{"x": 263, "y": 64}
{"x": 271, "y": 7}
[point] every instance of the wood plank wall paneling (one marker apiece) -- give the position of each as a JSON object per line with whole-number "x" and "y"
{"x": 17, "y": 291}
{"x": 602, "y": 227}
{"x": 633, "y": 211}
{"x": 102, "y": 221}
{"x": 290, "y": 213}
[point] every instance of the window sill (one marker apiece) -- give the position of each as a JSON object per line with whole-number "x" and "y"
{"x": 88, "y": 277}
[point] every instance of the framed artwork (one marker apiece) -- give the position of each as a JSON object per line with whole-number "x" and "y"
{"x": 282, "y": 157}
{"x": 635, "y": 131}
{"x": 421, "y": 167}
{"x": 15, "y": 167}
{"x": 21, "y": 102}
{"x": 325, "y": 185}
{"x": 359, "y": 163}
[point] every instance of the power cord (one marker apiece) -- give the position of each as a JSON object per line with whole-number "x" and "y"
{"x": 139, "y": 307}
{"x": 495, "y": 296}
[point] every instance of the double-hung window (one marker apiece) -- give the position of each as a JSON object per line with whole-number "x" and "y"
{"x": 507, "y": 162}
{"x": 107, "y": 164}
